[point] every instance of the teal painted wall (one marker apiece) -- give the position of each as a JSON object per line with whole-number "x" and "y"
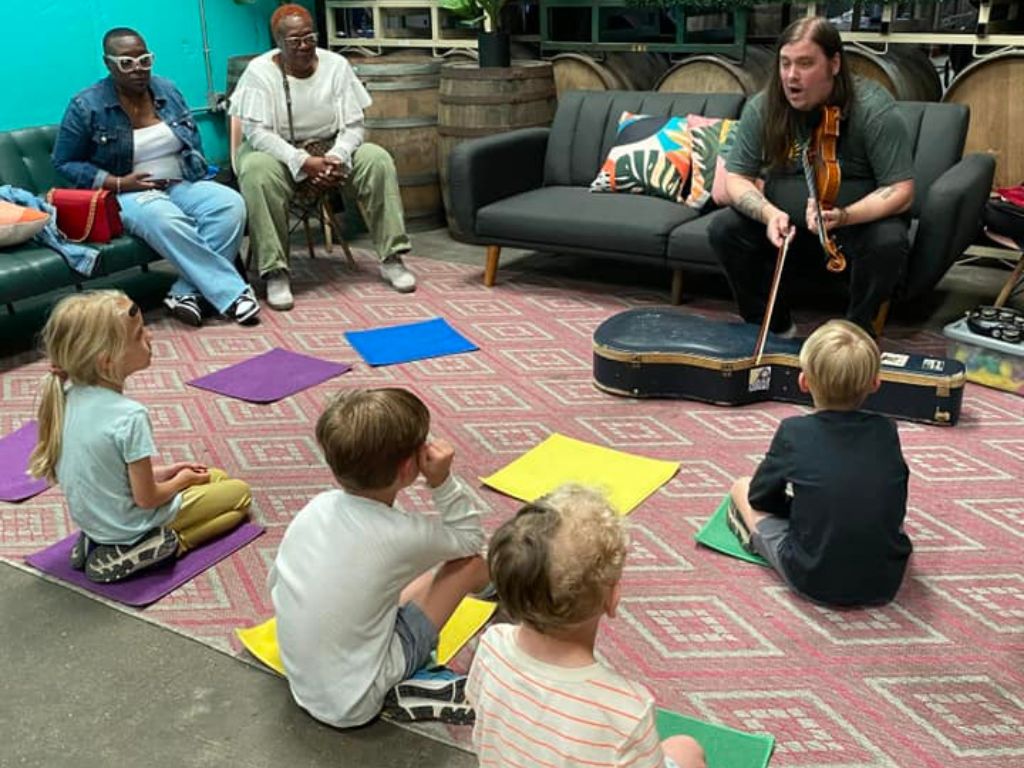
{"x": 52, "y": 50}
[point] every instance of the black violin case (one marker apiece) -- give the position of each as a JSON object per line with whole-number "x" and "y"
{"x": 667, "y": 354}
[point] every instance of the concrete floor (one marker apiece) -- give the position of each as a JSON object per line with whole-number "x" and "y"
{"x": 85, "y": 684}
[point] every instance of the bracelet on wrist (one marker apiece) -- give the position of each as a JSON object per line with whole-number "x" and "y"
{"x": 117, "y": 183}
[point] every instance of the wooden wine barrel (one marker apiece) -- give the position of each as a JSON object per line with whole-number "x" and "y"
{"x": 403, "y": 120}
{"x": 579, "y": 72}
{"x": 993, "y": 88}
{"x": 477, "y": 102}
{"x": 615, "y": 72}
{"x": 904, "y": 70}
{"x": 637, "y": 71}
{"x": 711, "y": 73}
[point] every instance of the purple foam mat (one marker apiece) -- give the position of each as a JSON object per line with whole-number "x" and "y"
{"x": 270, "y": 376}
{"x": 150, "y": 585}
{"x": 15, "y": 482}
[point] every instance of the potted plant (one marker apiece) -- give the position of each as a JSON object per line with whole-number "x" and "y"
{"x": 493, "y": 46}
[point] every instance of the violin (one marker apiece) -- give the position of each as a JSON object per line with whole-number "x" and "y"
{"x": 821, "y": 170}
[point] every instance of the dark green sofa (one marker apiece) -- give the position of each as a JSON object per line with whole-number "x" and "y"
{"x": 33, "y": 277}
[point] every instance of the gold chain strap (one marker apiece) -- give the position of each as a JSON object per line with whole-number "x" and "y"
{"x": 90, "y": 219}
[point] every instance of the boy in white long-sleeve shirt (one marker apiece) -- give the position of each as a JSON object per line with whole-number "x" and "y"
{"x": 358, "y": 605}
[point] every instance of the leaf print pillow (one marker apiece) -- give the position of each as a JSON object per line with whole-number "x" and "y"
{"x": 711, "y": 139}
{"x": 651, "y": 156}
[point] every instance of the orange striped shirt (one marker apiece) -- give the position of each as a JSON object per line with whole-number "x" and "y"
{"x": 529, "y": 713}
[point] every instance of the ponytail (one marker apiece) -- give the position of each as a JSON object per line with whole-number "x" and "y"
{"x": 43, "y": 461}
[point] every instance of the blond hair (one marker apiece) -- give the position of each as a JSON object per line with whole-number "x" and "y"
{"x": 366, "y": 434}
{"x": 841, "y": 363}
{"x": 555, "y": 563}
{"x": 85, "y": 339}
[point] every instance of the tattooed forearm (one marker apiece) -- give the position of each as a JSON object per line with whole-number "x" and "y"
{"x": 752, "y": 204}
{"x": 885, "y": 192}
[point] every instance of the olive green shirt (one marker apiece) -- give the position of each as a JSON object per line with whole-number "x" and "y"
{"x": 874, "y": 149}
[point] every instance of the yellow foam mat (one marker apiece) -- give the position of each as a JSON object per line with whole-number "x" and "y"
{"x": 261, "y": 642}
{"x": 627, "y": 479}
{"x": 468, "y": 619}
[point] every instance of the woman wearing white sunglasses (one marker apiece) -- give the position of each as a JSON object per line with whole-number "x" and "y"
{"x": 133, "y": 133}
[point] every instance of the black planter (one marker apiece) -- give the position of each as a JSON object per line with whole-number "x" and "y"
{"x": 494, "y": 49}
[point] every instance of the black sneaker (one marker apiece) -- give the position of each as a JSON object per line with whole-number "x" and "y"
{"x": 245, "y": 310}
{"x": 738, "y": 526}
{"x": 81, "y": 550}
{"x": 439, "y": 684}
{"x": 411, "y": 710}
{"x": 431, "y": 695}
{"x": 186, "y": 309}
{"x": 114, "y": 562}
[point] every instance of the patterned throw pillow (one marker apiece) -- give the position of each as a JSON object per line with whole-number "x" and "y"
{"x": 712, "y": 138}
{"x": 651, "y": 156}
{"x": 18, "y": 223}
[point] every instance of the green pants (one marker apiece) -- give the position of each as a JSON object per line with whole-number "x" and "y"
{"x": 268, "y": 187}
{"x": 210, "y": 510}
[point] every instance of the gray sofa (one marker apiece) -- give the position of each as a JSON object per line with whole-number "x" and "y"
{"x": 530, "y": 189}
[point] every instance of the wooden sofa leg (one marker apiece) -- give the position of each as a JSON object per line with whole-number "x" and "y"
{"x": 677, "y": 287}
{"x": 879, "y": 322}
{"x": 491, "y": 267}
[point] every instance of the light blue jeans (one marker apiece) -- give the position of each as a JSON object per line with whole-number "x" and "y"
{"x": 198, "y": 227}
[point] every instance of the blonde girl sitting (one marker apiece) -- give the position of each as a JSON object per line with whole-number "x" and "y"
{"x": 98, "y": 445}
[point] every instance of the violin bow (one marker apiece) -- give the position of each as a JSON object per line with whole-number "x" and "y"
{"x": 780, "y": 262}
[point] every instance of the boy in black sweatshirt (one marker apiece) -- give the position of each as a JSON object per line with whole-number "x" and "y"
{"x": 826, "y": 505}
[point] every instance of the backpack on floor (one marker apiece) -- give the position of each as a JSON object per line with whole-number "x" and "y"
{"x": 1004, "y": 214}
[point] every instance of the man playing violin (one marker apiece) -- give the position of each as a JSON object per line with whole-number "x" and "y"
{"x": 767, "y": 190}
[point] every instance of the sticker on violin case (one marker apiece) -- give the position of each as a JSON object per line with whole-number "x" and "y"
{"x": 760, "y": 379}
{"x": 895, "y": 360}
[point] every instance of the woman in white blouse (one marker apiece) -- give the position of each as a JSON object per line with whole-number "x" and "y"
{"x": 287, "y": 99}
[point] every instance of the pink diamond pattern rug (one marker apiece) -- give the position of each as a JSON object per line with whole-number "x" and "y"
{"x": 934, "y": 679}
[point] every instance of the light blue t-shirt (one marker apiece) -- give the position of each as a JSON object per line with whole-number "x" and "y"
{"x": 104, "y": 432}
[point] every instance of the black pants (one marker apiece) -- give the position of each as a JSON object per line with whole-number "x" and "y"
{"x": 876, "y": 255}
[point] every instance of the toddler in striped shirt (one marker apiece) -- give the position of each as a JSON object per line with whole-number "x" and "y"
{"x": 541, "y": 698}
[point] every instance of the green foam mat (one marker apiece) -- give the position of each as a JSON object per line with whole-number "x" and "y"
{"x": 716, "y": 535}
{"x": 724, "y": 747}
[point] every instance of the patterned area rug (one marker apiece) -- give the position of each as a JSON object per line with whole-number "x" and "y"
{"x": 934, "y": 679}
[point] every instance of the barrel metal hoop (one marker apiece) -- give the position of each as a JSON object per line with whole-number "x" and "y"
{"x": 469, "y": 133}
{"x": 400, "y": 122}
{"x": 372, "y": 70}
{"x": 547, "y": 93}
{"x": 463, "y": 72}
{"x": 402, "y": 85}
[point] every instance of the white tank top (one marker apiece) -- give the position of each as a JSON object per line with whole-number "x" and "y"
{"x": 157, "y": 152}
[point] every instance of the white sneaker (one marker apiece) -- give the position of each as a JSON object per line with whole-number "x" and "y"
{"x": 279, "y": 291}
{"x": 393, "y": 270}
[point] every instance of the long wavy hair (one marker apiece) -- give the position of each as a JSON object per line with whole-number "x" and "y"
{"x": 780, "y": 122}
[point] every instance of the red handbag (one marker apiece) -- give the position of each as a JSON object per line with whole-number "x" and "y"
{"x": 86, "y": 214}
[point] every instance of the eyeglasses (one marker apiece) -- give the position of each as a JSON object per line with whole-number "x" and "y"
{"x": 298, "y": 41}
{"x": 128, "y": 64}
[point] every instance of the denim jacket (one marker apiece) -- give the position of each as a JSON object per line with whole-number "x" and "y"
{"x": 95, "y": 137}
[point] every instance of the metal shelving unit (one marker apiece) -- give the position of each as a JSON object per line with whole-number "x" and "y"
{"x": 430, "y": 31}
